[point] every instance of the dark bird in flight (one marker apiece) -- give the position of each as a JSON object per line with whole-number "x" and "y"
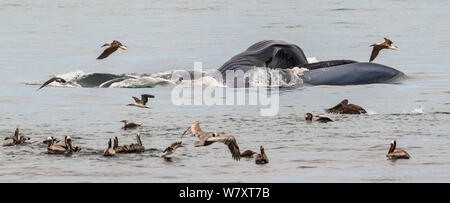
{"x": 141, "y": 102}
{"x": 112, "y": 48}
{"x": 345, "y": 108}
{"x": 53, "y": 79}
{"x": 320, "y": 118}
{"x": 399, "y": 154}
{"x": 170, "y": 150}
{"x": 387, "y": 44}
{"x": 206, "y": 139}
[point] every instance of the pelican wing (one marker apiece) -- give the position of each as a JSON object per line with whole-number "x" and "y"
{"x": 11, "y": 137}
{"x": 108, "y": 52}
{"x": 338, "y": 106}
{"x": 57, "y": 79}
{"x": 375, "y": 51}
{"x": 230, "y": 141}
{"x": 137, "y": 100}
{"x": 357, "y": 108}
{"x": 175, "y": 145}
{"x": 145, "y": 97}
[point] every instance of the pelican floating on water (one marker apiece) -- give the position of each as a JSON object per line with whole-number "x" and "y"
{"x": 112, "y": 48}
{"x": 138, "y": 147}
{"x": 141, "y": 102}
{"x": 120, "y": 149}
{"x": 248, "y": 154}
{"x": 261, "y": 158}
{"x": 320, "y": 118}
{"x": 67, "y": 148}
{"x": 387, "y": 44}
{"x": 109, "y": 151}
{"x": 53, "y": 79}
{"x": 16, "y": 139}
{"x": 345, "y": 108}
{"x": 170, "y": 150}
{"x": 127, "y": 125}
{"x": 400, "y": 154}
{"x": 206, "y": 139}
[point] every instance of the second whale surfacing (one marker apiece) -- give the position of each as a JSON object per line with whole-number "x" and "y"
{"x": 277, "y": 54}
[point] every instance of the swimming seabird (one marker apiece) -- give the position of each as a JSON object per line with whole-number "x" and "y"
{"x": 54, "y": 140}
{"x": 248, "y": 154}
{"x": 109, "y": 151}
{"x": 138, "y": 147}
{"x": 399, "y": 154}
{"x": 120, "y": 149}
{"x": 206, "y": 139}
{"x": 261, "y": 158}
{"x": 67, "y": 148}
{"x": 320, "y": 118}
{"x": 387, "y": 44}
{"x": 16, "y": 139}
{"x": 53, "y": 79}
{"x": 345, "y": 108}
{"x": 127, "y": 125}
{"x": 112, "y": 48}
{"x": 171, "y": 149}
{"x": 141, "y": 102}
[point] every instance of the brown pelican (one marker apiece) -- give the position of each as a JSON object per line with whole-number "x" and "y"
{"x": 171, "y": 149}
{"x": 53, "y": 148}
{"x": 137, "y": 147}
{"x": 120, "y": 149}
{"x": 16, "y": 139}
{"x": 207, "y": 139}
{"x": 320, "y": 118}
{"x": 261, "y": 158}
{"x": 112, "y": 48}
{"x": 248, "y": 154}
{"x": 53, "y": 79}
{"x": 141, "y": 102}
{"x": 109, "y": 151}
{"x": 345, "y": 108}
{"x": 387, "y": 44}
{"x": 127, "y": 125}
{"x": 399, "y": 154}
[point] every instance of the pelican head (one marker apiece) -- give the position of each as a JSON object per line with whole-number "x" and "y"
{"x": 308, "y": 116}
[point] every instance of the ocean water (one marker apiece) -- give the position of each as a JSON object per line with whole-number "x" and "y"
{"x": 42, "y": 38}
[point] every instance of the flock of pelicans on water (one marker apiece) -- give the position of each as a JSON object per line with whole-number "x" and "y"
{"x": 55, "y": 146}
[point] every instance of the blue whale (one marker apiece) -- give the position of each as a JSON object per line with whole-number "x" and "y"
{"x": 277, "y": 54}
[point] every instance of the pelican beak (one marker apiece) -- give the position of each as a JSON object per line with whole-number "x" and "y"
{"x": 123, "y": 47}
{"x": 107, "y": 44}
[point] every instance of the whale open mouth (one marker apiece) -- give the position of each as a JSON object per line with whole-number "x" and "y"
{"x": 283, "y": 59}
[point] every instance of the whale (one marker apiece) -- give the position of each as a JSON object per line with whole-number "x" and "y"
{"x": 278, "y": 54}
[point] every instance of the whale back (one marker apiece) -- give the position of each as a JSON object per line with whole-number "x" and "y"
{"x": 267, "y": 53}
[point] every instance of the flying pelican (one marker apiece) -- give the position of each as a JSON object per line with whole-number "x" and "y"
{"x": 206, "y": 139}
{"x": 16, "y": 139}
{"x": 127, "y": 125}
{"x": 345, "y": 108}
{"x": 261, "y": 158}
{"x": 109, "y": 151}
{"x": 112, "y": 48}
{"x": 400, "y": 154}
{"x": 387, "y": 44}
{"x": 170, "y": 150}
{"x": 320, "y": 118}
{"x": 53, "y": 79}
{"x": 141, "y": 102}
